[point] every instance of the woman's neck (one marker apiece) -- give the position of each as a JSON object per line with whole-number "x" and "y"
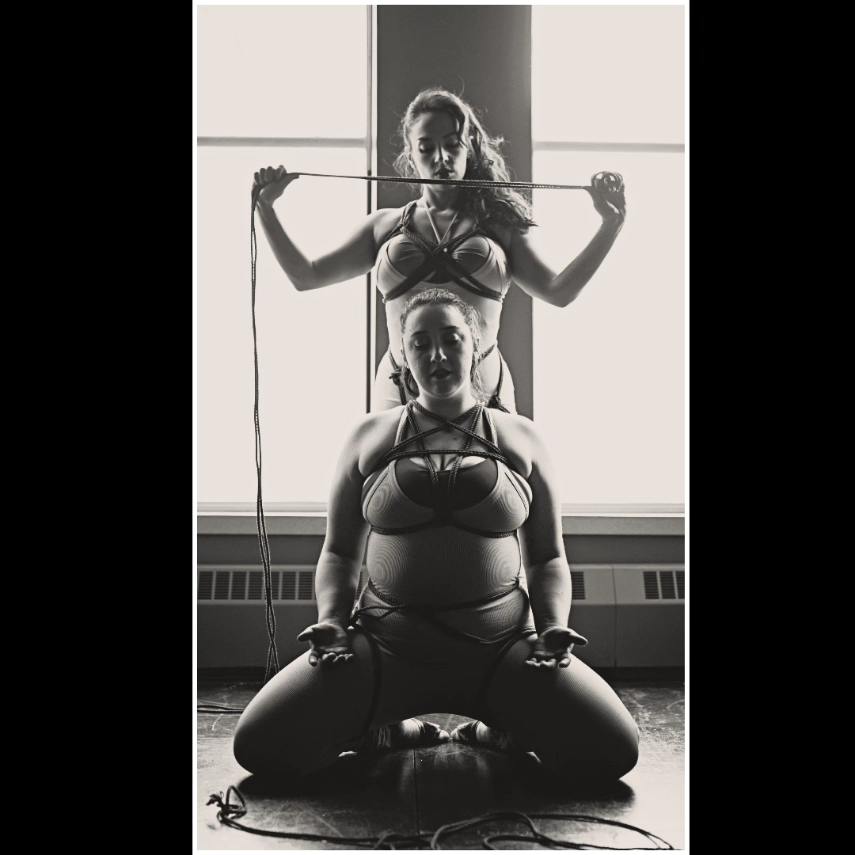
{"x": 449, "y": 408}
{"x": 440, "y": 198}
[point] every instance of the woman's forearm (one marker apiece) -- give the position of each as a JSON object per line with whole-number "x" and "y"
{"x": 570, "y": 281}
{"x": 550, "y": 591}
{"x": 336, "y": 581}
{"x": 297, "y": 267}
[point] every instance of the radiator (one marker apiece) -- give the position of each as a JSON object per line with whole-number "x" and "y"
{"x": 631, "y": 614}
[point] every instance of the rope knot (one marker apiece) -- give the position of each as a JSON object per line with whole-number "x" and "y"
{"x": 226, "y": 808}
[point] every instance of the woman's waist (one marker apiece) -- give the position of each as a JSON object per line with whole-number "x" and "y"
{"x": 432, "y": 599}
{"x": 444, "y": 638}
{"x": 442, "y": 566}
{"x": 490, "y": 617}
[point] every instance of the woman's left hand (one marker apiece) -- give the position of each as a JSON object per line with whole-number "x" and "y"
{"x": 607, "y": 192}
{"x": 552, "y": 648}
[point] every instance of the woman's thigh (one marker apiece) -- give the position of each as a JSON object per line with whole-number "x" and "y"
{"x": 570, "y": 717}
{"x": 304, "y": 717}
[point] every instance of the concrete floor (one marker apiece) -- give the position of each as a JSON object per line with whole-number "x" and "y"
{"x": 414, "y": 791}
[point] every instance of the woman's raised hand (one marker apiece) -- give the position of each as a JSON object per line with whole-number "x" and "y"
{"x": 552, "y": 648}
{"x": 271, "y": 181}
{"x": 330, "y": 643}
{"x": 607, "y": 191}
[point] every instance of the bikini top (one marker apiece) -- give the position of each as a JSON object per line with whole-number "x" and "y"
{"x": 489, "y": 499}
{"x": 475, "y": 260}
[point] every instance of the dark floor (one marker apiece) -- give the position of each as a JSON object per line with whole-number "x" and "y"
{"x": 416, "y": 791}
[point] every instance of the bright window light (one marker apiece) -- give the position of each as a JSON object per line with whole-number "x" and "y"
{"x": 608, "y": 369}
{"x": 607, "y": 73}
{"x": 282, "y": 71}
{"x": 311, "y": 344}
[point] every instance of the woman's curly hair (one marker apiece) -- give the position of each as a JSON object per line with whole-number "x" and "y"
{"x": 483, "y": 161}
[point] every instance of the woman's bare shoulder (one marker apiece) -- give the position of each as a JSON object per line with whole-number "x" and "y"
{"x": 383, "y": 220}
{"x": 517, "y": 438}
{"x": 373, "y": 436}
{"x": 505, "y": 234}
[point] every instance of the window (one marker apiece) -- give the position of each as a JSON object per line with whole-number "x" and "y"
{"x": 254, "y": 109}
{"x": 608, "y": 370}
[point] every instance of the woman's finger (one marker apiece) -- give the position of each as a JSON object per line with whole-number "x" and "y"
{"x": 313, "y": 660}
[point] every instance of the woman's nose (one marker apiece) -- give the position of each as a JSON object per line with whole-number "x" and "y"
{"x": 438, "y": 355}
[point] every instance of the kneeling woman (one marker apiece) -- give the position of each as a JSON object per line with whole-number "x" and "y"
{"x": 446, "y": 492}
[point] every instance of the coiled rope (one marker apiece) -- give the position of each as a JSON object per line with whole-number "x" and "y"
{"x": 229, "y": 813}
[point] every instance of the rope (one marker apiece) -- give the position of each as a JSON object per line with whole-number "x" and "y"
{"x": 460, "y": 182}
{"x": 228, "y": 813}
{"x": 272, "y": 664}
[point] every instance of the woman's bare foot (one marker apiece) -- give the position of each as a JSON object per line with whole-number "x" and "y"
{"x": 410, "y": 733}
{"x": 477, "y": 733}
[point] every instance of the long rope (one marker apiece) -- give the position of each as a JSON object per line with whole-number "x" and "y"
{"x": 229, "y": 813}
{"x": 460, "y": 182}
{"x": 272, "y": 664}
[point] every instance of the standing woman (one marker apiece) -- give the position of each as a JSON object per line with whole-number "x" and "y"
{"x": 472, "y": 241}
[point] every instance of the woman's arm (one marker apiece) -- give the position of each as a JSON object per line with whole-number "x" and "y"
{"x": 538, "y": 280}
{"x": 548, "y": 574}
{"x": 337, "y": 574}
{"x": 549, "y": 582}
{"x": 353, "y": 258}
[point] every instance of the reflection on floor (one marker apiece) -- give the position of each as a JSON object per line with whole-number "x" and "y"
{"x": 416, "y": 791}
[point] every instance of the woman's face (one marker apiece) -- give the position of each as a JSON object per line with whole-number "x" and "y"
{"x": 439, "y": 350}
{"x": 435, "y": 147}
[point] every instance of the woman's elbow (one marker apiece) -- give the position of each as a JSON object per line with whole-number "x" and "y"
{"x": 562, "y": 301}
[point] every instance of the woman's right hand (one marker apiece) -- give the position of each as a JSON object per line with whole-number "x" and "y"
{"x": 330, "y": 643}
{"x": 270, "y": 182}
{"x": 607, "y": 193}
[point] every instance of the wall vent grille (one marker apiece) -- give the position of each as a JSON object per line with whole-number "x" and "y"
{"x": 242, "y": 585}
{"x": 578, "y": 578}
{"x": 664, "y": 584}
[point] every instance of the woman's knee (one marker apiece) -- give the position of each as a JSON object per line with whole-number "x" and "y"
{"x": 601, "y": 758}
{"x": 251, "y": 744}
{"x": 264, "y": 750}
{"x": 621, "y": 756}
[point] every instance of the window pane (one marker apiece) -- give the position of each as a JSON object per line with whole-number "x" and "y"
{"x": 608, "y": 369}
{"x": 311, "y": 345}
{"x": 607, "y": 73}
{"x": 277, "y": 71}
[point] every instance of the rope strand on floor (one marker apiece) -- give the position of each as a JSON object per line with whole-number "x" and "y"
{"x": 229, "y": 813}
